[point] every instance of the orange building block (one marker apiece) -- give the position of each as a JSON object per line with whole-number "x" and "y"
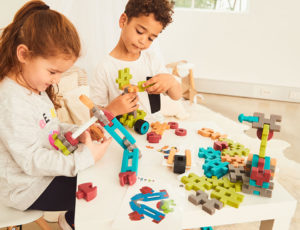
{"x": 188, "y": 158}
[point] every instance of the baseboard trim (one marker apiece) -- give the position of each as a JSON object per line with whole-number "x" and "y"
{"x": 252, "y": 90}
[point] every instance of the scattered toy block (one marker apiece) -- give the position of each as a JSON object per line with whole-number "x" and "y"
{"x": 179, "y": 164}
{"x": 227, "y": 196}
{"x": 173, "y": 125}
{"x": 188, "y": 158}
{"x": 86, "y": 191}
{"x": 180, "y": 132}
{"x": 220, "y": 145}
{"x": 262, "y": 120}
{"x": 192, "y": 181}
{"x": 153, "y": 137}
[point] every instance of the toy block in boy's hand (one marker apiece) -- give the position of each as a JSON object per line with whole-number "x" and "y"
{"x": 86, "y": 191}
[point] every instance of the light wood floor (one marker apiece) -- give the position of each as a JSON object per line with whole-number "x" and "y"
{"x": 231, "y": 107}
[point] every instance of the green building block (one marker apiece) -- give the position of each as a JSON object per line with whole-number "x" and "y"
{"x": 227, "y": 196}
{"x": 60, "y": 145}
{"x": 234, "y": 148}
{"x": 264, "y": 140}
{"x": 140, "y": 86}
{"x": 166, "y": 206}
{"x": 124, "y": 77}
{"x": 129, "y": 120}
{"x": 225, "y": 183}
{"x": 192, "y": 181}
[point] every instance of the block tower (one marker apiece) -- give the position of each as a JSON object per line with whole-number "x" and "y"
{"x": 261, "y": 168}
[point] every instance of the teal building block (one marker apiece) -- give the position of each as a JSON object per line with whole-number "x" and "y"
{"x": 119, "y": 126}
{"x": 251, "y": 119}
{"x": 128, "y": 157}
{"x": 206, "y": 228}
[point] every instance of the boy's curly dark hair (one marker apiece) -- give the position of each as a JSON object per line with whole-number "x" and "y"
{"x": 162, "y": 10}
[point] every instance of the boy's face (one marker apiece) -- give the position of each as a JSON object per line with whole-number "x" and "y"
{"x": 139, "y": 33}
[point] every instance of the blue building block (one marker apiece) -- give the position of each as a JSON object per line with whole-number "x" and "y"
{"x": 150, "y": 196}
{"x": 206, "y": 228}
{"x": 118, "y": 125}
{"x": 209, "y": 154}
{"x": 215, "y": 168}
{"x": 146, "y": 210}
{"x": 130, "y": 157}
{"x": 251, "y": 119}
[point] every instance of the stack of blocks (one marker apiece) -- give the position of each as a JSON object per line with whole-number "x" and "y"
{"x": 261, "y": 168}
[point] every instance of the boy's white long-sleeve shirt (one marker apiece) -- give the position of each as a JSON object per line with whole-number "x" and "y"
{"x": 103, "y": 86}
{"x": 28, "y": 163}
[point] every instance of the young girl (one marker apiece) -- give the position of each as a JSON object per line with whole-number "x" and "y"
{"x": 35, "y": 49}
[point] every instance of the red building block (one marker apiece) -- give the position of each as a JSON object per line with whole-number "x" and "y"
{"x": 220, "y": 145}
{"x": 180, "y": 132}
{"x": 86, "y": 191}
{"x": 68, "y": 136}
{"x": 153, "y": 137}
{"x": 173, "y": 125}
{"x": 127, "y": 178}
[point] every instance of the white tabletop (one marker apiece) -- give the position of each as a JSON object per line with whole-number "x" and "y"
{"x": 100, "y": 212}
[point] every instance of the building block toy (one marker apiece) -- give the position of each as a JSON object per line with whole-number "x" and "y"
{"x": 220, "y": 145}
{"x": 171, "y": 156}
{"x": 206, "y": 228}
{"x": 192, "y": 181}
{"x": 262, "y": 120}
{"x": 111, "y": 124}
{"x": 260, "y": 167}
{"x": 165, "y": 206}
{"x": 251, "y": 119}
{"x": 207, "y": 132}
{"x": 188, "y": 156}
{"x": 201, "y": 198}
{"x": 236, "y": 161}
{"x": 235, "y": 148}
{"x": 86, "y": 191}
{"x": 225, "y": 183}
{"x": 179, "y": 164}
{"x": 215, "y": 168}
{"x": 227, "y": 196}
{"x": 159, "y": 128}
{"x": 180, "y": 132}
{"x": 139, "y": 210}
{"x": 173, "y": 125}
{"x": 209, "y": 153}
{"x": 154, "y": 100}
{"x": 153, "y": 137}
{"x": 238, "y": 174}
{"x": 128, "y": 178}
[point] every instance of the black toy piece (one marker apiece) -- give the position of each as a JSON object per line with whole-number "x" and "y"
{"x": 179, "y": 164}
{"x": 154, "y": 100}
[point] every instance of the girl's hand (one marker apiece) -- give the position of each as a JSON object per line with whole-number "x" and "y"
{"x": 97, "y": 149}
{"x": 123, "y": 104}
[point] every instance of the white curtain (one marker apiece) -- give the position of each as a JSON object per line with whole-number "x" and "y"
{"x": 97, "y": 22}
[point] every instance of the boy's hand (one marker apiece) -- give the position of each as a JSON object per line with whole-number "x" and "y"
{"x": 164, "y": 83}
{"x": 97, "y": 149}
{"x": 160, "y": 83}
{"x": 123, "y": 104}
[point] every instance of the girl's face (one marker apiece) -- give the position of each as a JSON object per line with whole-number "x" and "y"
{"x": 39, "y": 73}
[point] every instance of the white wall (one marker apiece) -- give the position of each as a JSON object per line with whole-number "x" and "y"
{"x": 8, "y": 8}
{"x": 260, "y": 46}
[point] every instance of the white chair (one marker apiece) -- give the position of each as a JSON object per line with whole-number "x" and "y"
{"x": 10, "y": 217}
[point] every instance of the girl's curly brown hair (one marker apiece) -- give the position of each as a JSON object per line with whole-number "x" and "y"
{"x": 162, "y": 10}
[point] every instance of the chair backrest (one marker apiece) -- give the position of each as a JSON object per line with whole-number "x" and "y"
{"x": 13, "y": 217}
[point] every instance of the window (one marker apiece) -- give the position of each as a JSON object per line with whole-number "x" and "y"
{"x": 218, "y": 5}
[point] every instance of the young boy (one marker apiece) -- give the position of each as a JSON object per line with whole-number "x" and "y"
{"x": 141, "y": 23}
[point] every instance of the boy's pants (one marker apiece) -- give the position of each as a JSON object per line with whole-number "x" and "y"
{"x": 60, "y": 195}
